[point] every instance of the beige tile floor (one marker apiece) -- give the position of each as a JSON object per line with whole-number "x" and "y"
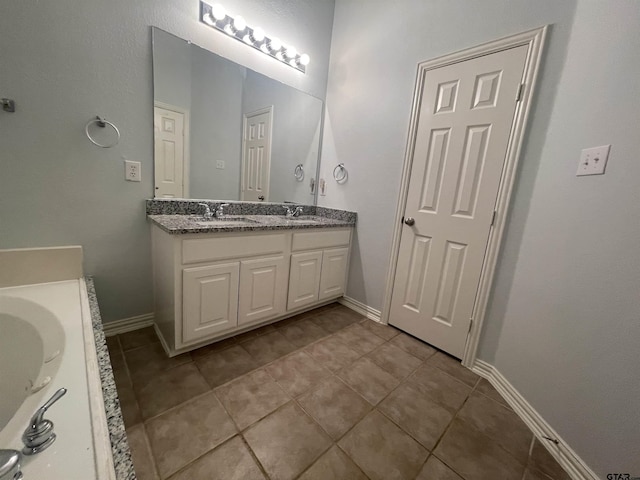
{"x": 326, "y": 395}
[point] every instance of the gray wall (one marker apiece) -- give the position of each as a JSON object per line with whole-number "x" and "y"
{"x": 371, "y": 80}
{"x": 562, "y": 325}
{"x": 209, "y": 87}
{"x": 66, "y": 61}
{"x": 295, "y": 131}
{"x": 216, "y": 125}
{"x": 171, "y": 70}
{"x": 569, "y": 322}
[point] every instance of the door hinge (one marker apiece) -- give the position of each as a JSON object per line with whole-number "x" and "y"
{"x": 493, "y": 218}
{"x": 520, "y": 92}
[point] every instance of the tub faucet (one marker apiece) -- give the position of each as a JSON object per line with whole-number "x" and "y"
{"x": 10, "y": 465}
{"x": 39, "y": 434}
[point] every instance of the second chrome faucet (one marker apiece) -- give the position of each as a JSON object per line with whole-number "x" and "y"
{"x": 292, "y": 212}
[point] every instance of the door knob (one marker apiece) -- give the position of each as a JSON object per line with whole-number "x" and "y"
{"x": 409, "y": 221}
{"x": 261, "y": 197}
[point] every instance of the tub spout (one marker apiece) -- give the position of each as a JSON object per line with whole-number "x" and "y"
{"x": 10, "y": 465}
{"x": 39, "y": 434}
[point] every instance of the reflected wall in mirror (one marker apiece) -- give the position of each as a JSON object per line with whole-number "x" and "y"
{"x": 223, "y": 131}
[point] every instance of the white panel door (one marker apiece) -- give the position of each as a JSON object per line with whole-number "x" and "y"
{"x": 210, "y": 300}
{"x": 464, "y": 121}
{"x": 256, "y": 155}
{"x": 334, "y": 273}
{"x": 169, "y": 148}
{"x": 263, "y": 289}
{"x": 304, "y": 279}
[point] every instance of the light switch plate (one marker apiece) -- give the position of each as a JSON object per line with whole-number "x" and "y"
{"x": 593, "y": 161}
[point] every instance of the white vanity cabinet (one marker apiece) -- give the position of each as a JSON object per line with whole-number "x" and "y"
{"x": 213, "y": 285}
{"x": 318, "y": 270}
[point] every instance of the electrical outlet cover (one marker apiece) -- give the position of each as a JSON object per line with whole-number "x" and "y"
{"x": 132, "y": 171}
{"x": 220, "y": 164}
{"x": 593, "y": 161}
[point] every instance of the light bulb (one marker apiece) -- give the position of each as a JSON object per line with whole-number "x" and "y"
{"x": 275, "y": 44}
{"x": 290, "y": 52}
{"x": 304, "y": 59}
{"x": 229, "y": 30}
{"x": 218, "y": 12}
{"x": 258, "y": 34}
{"x": 208, "y": 19}
{"x": 239, "y": 23}
{"x": 247, "y": 39}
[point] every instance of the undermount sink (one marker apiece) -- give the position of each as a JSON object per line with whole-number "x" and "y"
{"x": 223, "y": 220}
{"x": 302, "y": 218}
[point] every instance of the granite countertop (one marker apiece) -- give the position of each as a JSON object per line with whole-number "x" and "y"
{"x": 178, "y": 216}
{"x": 180, "y": 224}
{"x": 119, "y": 444}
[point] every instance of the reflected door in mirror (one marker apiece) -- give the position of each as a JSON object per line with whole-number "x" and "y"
{"x": 256, "y": 155}
{"x": 169, "y": 152}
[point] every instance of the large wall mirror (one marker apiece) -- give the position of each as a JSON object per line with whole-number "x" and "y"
{"x": 222, "y": 131}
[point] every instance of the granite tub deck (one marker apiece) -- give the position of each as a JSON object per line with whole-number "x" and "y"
{"x": 119, "y": 444}
{"x": 185, "y": 216}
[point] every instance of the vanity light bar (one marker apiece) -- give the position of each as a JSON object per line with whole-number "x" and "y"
{"x": 216, "y": 17}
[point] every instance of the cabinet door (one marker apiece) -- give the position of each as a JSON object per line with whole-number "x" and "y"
{"x": 210, "y": 296}
{"x": 334, "y": 273}
{"x": 304, "y": 279}
{"x": 263, "y": 289}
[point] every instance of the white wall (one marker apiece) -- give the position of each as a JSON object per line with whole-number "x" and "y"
{"x": 570, "y": 329}
{"x": 375, "y": 49}
{"x": 66, "y": 61}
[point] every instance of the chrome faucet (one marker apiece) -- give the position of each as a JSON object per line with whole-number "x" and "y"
{"x": 208, "y": 214}
{"x": 10, "y": 465}
{"x": 39, "y": 434}
{"x": 292, "y": 212}
{"x": 219, "y": 213}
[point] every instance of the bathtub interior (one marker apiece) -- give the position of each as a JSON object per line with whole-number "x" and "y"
{"x": 31, "y": 349}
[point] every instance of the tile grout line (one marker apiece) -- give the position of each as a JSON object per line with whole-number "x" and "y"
{"x": 154, "y": 463}
{"x": 211, "y": 389}
{"x": 226, "y": 383}
{"x": 474, "y": 389}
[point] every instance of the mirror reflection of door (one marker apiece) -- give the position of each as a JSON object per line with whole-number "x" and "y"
{"x": 256, "y": 155}
{"x": 171, "y": 158}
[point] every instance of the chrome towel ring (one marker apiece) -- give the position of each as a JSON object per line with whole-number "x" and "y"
{"x": 101, "y": 122}
{"x": 340, "y": 173}
{"x": 298, "y": 172}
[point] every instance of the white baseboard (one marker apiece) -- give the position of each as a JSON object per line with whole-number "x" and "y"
{"x": 562, "y": 452}
{"x": 361, "y": 308}
{"x": 128, "y": 324}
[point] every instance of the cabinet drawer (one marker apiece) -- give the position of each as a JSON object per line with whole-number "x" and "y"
{"x": 219, "y": 248}
{"x": 321, "y": 239}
